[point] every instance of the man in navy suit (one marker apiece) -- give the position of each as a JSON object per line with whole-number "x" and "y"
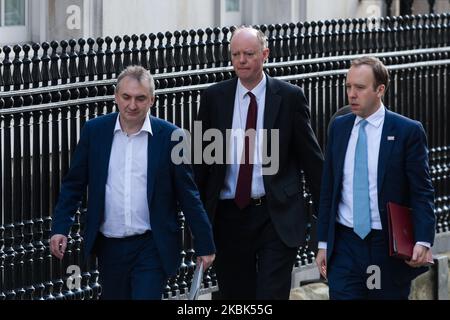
{"x": 373, "y": 156}
{"x": 134, "y": 190}
{"x": 257, "y": 208}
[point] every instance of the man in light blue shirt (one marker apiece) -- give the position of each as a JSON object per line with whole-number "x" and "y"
{"x": 374, "y": 156}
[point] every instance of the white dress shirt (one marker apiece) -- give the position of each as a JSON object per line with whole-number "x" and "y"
{"x": 373, "y": 129}
{"x": 126, "y": 206}
{"x": 234, "y": 153}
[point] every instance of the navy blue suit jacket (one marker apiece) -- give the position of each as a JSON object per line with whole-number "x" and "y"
{"x": 403, "y": 178}
{"x": 168, "y": 186}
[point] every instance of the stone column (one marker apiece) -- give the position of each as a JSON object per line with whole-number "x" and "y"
{"x": 73, "y": 19}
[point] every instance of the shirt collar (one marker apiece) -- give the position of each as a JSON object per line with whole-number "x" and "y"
{"x": 145, "y": 127}
{"x": 374, "y": 119}
{"x": 257, "y": 91}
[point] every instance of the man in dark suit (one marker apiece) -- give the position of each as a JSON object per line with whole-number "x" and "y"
{"x": 340, "y": 112}
{"x": 256, "y": 206}
{"x": 373, "y": 156}
{"x": 133, "y": 196}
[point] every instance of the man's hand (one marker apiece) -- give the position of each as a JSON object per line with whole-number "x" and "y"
{"x": 421, "y": 256}
{"x": 321, "y": 261}
{"x": 58, "y": 244}
{"x": 207, "y": 260}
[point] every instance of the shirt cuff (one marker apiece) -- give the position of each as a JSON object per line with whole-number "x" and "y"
{"x": 425, "y": 244}
{"x": 322, "y": 245}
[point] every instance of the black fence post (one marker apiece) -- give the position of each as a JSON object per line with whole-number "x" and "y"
{"x": 30, "y": 183}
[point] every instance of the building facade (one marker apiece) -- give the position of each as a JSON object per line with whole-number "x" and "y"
{"x": 23, "y": 21}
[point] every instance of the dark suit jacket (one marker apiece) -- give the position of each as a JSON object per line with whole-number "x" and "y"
{"x": 168, "y": 186}
{"x": 403, "y": 178}
{"x": 340, "y": 112}
{"x": 286, "y": 109}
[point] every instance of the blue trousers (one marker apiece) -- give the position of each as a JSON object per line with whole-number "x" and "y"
{"x": 130, "y": 268}
{"x": 359, "y": 269}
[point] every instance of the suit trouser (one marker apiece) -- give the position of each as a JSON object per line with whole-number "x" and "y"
{"x": 360, "y": 268}
{"x": 130, "y": 268}
{"x": 251, "y": 261}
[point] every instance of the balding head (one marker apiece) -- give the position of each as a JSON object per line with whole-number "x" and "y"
{"x": 248, "y": 53}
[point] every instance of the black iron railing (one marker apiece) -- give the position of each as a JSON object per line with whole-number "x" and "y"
{"x": 45, "y": 101}
{"x": 87, "y": 60}
{"x": 406, "y": 6}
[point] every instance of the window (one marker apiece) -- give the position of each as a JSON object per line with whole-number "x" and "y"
{"x": 13, "y": 21}
{"x": 230, "y": 13}
{"x": 14, "y": 12}
{"x": 232, "y": 5}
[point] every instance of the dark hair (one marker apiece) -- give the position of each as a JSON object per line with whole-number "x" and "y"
{"x": 380, "y": 71}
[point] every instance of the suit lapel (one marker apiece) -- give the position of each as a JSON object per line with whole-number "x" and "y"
{"x": 271, "y": 108}
{"x": 226, "y": 107}
{"x": 273, "y": 101}
{"x": 385, "y": 147}
{"x": 342, "y": 139}
{"x": 224, "y": 113}
{"x": 155, "y": 144}
{"x": 105, "y": 139}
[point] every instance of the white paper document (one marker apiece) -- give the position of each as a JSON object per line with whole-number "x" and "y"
{"x": 197, "y": 280}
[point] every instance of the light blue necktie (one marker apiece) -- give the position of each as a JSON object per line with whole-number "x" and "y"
{"x": 361, "y": 201}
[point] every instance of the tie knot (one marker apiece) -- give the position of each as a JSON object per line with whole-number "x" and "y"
{"x": 363, "y": 123}
{"x": 251, "y": 95}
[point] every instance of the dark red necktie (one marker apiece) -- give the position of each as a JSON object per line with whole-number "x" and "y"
{"x": 244, "y": 182}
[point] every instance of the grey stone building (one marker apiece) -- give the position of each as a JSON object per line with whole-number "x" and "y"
{"x": 24, "y": 21}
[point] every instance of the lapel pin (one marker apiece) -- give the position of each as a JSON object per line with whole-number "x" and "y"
{"x": 391, "y": 138}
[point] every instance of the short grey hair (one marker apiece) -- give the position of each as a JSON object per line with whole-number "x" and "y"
{"x": 262, "y": 39}
{"x": 138, "y": 73}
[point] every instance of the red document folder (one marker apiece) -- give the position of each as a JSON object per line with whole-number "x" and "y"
{"x": 401, "y": 236}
